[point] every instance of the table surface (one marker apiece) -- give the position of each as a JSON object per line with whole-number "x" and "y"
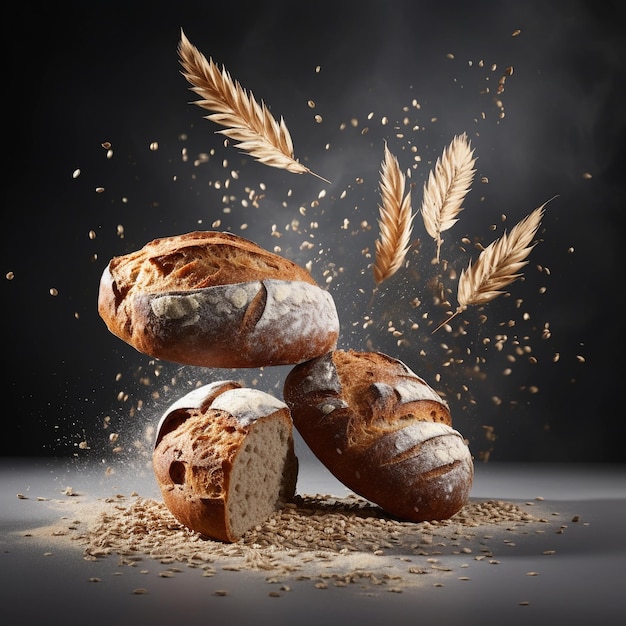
{"x": 572, "y": 570}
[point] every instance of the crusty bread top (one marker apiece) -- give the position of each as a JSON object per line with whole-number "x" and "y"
{"x": 196, "y": 260}
{"x": 374, "y": 379}
{"x": 373, "y": 393}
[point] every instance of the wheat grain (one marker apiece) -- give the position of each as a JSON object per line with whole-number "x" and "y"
{"x": 245, "y": 120}
{"x": 395, "y": 222}
{"x": 498, "y": 265}
{"x": 446, "y": 188}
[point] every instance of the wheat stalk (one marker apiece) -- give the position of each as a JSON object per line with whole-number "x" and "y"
{"x": 498, "y": 265}
{"x": 446, "y": 188}
{"x": 245, "y": 120}
{"x": 395, "y": 222}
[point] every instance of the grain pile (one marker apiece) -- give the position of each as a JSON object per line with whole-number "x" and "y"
{"x": 323, "y": 539}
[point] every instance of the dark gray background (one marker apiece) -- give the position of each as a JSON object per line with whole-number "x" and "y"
{"x": 80, "y": 74}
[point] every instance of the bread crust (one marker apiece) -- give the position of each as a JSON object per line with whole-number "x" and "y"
{"x": 197, "y": 443}
{"x": 216, "y": 300}
{"x": 382, "y": 431}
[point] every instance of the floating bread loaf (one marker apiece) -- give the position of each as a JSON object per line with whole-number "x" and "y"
{"x": 383, "y": 432}
{"x": 224, "y": 459}
{"x": 215, "y": 299}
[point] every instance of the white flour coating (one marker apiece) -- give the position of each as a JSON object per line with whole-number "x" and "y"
{"x": 223, "y": 300}
{"x": 247, "y": 405}
{"x": 329, "y": 406}
{"x": 411, "y": 390}
{"x": 294, "y": 312}
{"x": 438, "y": 443}
{"x": 285, "y": 292}
{"x": 438, "y": 449}
{"x": 315, "y": 308}
{"x": 197, "y": 397}
{"x": 239, "y": 297}
{"x": 323, "y": 377}
{"x": 176, "y": 307}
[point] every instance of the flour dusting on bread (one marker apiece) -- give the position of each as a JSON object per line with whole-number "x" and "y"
{"x": 247, "y": 405}
{"x": 383, "y": 432}
{"x": 214, "y": 299}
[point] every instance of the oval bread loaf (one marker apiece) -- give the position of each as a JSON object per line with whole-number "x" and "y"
{"x": 216, "y": 300}
{"x": 224, "y": 459}
{"x": 383, "y": 432}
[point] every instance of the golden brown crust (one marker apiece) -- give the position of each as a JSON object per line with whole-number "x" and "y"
{"x": 182, "y": 469}
{"x": 382, "y": 431}
{"x": 198, "y": 441}
{"x": 216, "y": 300}
{"x": 197, "y": 260}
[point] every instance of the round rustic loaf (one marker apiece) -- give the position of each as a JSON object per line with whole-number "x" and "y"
{"x": 383, "y": 432}
{"x": 216, "y": 300}
{"x": 224, "y": 459}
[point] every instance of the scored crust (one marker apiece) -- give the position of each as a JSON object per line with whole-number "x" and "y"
{"x": 196, "y": 260}
{"x": 216, "y": 300}
{"x": 382, "y": 431}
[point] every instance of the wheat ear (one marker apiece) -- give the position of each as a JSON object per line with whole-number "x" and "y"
{"x": 395, "y": 222}
{"x": 446, "y": 188}
{"x": 498, "y": 264}
{"x": 245, "y": 120}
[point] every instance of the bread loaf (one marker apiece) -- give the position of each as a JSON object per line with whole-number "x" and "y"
{"x": 383, "y": 432}
{"x": 224, "y": 459}
{"x": 216, "y": 300}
